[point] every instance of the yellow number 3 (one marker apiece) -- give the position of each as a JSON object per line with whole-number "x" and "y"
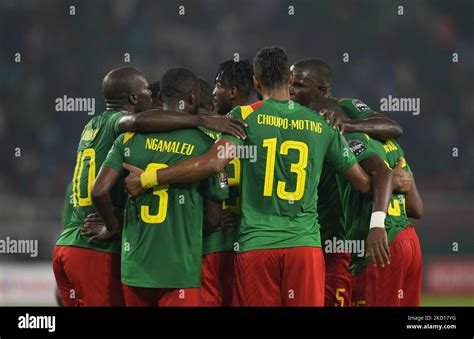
{"x": 160, "y": 191}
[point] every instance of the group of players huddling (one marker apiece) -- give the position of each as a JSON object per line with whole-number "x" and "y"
{"x": 163, "y": 212}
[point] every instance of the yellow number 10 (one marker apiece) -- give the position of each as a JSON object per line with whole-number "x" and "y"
{"x": 87, "y": 154}
{"x": 299, "y": 168}
{"x": 160, "y": 191}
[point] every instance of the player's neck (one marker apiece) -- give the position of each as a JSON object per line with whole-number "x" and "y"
{"x": 245, "y": 101}
{"x": 277, "y": 93}
{"x": 173, "y": 105}
{"x": 120, "y": 107}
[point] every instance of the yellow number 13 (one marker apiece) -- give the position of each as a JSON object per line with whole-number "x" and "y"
{"x": 299, "y": 168}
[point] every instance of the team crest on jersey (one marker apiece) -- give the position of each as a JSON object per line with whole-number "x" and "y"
{"x": 357, "y": 147}
{"x": 362, "y": 107}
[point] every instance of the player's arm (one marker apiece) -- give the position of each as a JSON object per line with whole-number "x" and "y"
{"x": 105, "y": 181}
{"x": 413, "y": 201}
{"x": 158, "y": 120}
{"x": 361, "y": 118}
{"x": 216, "y": 218}
{"x": 189, "y": 170}
{"x": 377, "y": 126}
{"x": 213, "y": 216}
{"x": 377, "y": 243}
{"x": 109, "y": 174}
{"x": 380, "y": 184}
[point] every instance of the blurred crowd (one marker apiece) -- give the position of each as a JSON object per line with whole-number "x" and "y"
{"x": 409, "y": 55}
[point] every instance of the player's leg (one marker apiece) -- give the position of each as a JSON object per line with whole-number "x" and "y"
{"x": 302, "y": 282}
{"x": 99, "y": 275}
{"x": 140, "y": 296}
{"x": 65, "y": 287}
{"x": 412, "y": 282}
{"x": 257, "y": 278}
{"x": 227, "y": 276}
{"x": 113, "y": 284}
{"x": 179, "y": 297}
{"x": 338, "y": 284}
{"x": 211, "y": 287}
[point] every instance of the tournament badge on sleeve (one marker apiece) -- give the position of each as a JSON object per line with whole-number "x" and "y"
{"x": 223, "y": 179}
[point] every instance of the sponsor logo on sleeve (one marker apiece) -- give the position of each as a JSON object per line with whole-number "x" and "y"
{"x": 362, "y": 107}
{"x": 357, "y": 147}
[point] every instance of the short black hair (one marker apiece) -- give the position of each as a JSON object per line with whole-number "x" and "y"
{"x": 177, "y": 82}
{"x": 154, "y": 87}
{"x": 236, "y": 74}
{"x": 206, "y": 93}
{"x": 318, "y": 70}
{"x": 270, "y": 65}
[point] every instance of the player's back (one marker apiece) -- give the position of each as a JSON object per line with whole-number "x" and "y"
{"x": 162, "y": 231}
{"x": 96, "y": 140}
{"x": 279, "y": 186}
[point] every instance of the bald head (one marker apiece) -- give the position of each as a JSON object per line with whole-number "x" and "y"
{"x": 312, "y": 79}
{"x": 126, "y": 87}
{"x": 317, "y": 70}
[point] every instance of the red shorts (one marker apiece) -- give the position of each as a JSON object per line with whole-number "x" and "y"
{"x": 338, "y": 286}
{"x": 87, "y": 277}
{"x": 279, "y": 277}
{"x": 397, "y": 284}
{"x": 217, "y": 279}
{"x": 153, "y": 297}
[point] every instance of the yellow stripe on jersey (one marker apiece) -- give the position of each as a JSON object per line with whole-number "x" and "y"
{"x": 128, "y": 136}
{"x": 246, "y": 111}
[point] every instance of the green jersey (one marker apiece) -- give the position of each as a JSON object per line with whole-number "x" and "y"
{"x": 68, "y": 205}
{"x": 330, "y": 211}
{"x": 224, "y": 239}
{"x": 358, "y": 207}
{"x": 162, "y": 231}
{"x": 281, "y": 162}
{"x": 96, "y": 139}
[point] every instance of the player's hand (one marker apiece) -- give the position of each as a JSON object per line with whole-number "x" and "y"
{"x": 93, "y": 220}
{"x": 133, "y": 184}
{"x": 225, "y": 125}
{"x": 99, "y": 232}
{"x": 229, "y": 219}
{"x": 377, "y": 246}
{"x": 332, "y": 119}
{"x": 402, "y": 180}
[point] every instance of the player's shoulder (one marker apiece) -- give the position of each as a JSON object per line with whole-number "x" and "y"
{"x": 355, "y": 108}
{"x": 210, "y": 133}
{"x": 358, "y": 138}
{"x": 195, "y": 136}
{"x": 244, "y": 111}
{"x": 358, "y": 142}
{"x": 125, "y": 138}
{"x": 102, "y": 120}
